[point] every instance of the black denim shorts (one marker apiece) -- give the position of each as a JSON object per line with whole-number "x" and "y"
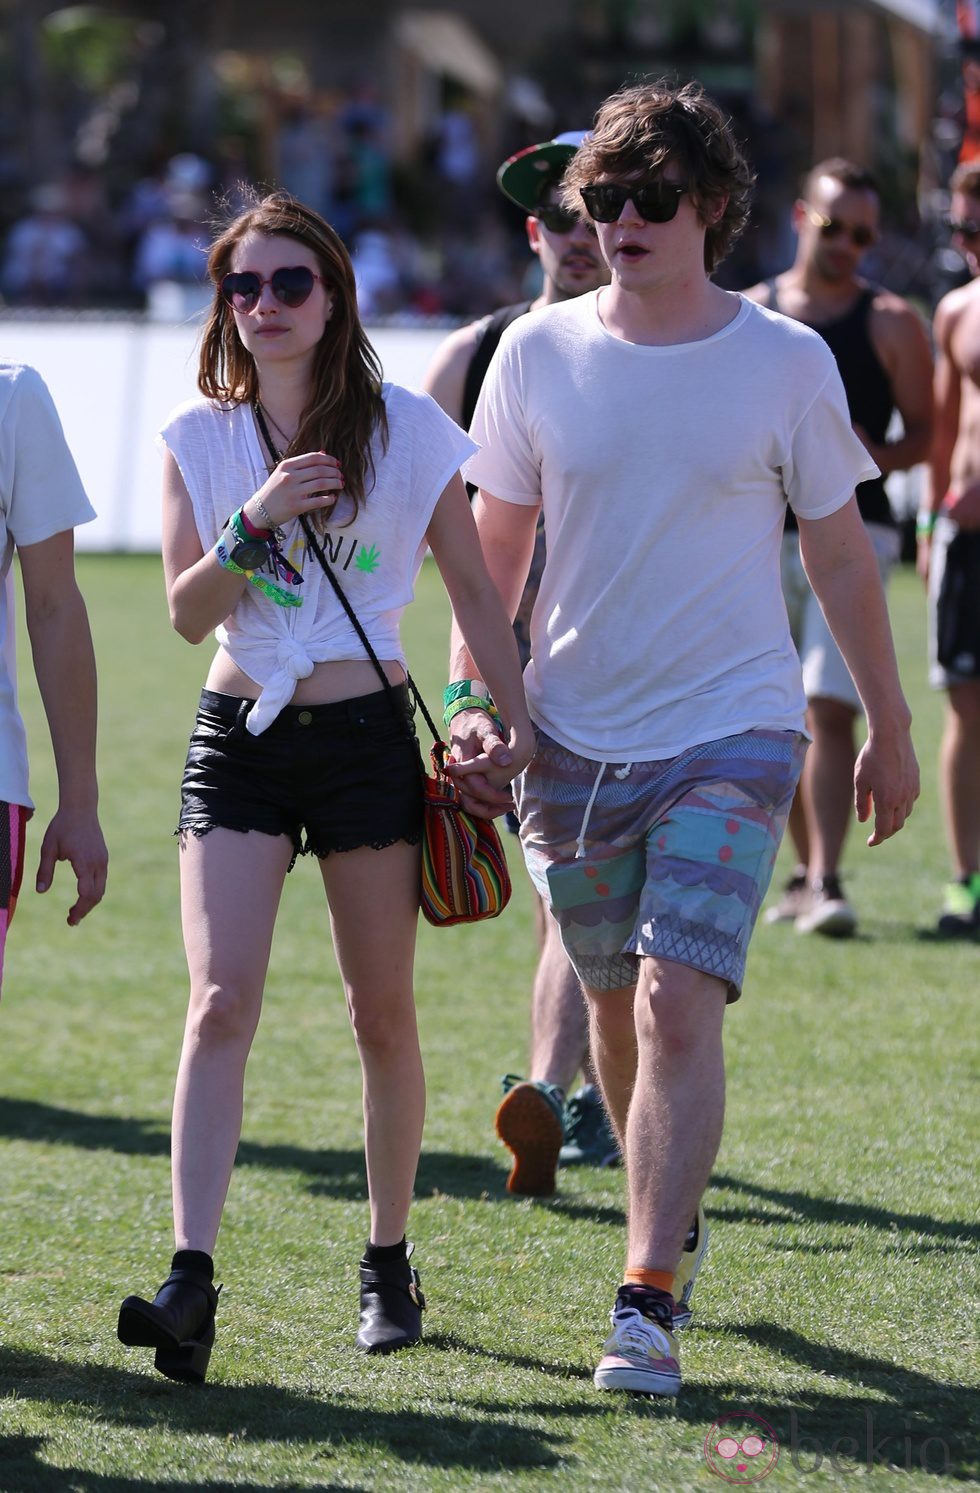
{"x": 331, "y": 777}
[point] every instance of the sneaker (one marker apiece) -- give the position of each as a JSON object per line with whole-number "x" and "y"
{"x": 960, "y": 917}
{"x": 695, "y": 1249}
{"x": 794, "y": 900}
{"x": 589, "y": 1139}
{"x": 640, "y": 1352}
{"x": 828, "y": 910}
{"x": 530, "y": 1122}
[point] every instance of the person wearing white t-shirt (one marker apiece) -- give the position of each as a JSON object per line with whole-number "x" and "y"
{"x": 663, "y": 424}
{"x": 41, "y": 501}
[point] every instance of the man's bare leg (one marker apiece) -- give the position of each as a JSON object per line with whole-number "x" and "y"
{"x": 559, "y": 1014}
{"x": 827, "y": 789}
{"x": 663, "y": 1078}
{"x": 959, "y": 776}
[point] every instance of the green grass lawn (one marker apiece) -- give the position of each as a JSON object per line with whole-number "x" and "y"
{"x": 838, "y": 1301}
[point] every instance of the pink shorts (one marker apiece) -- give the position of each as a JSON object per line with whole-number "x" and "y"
{"x": 13, "y": 835}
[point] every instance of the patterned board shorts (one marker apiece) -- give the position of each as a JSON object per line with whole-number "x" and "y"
{"x": 677, "y": 854}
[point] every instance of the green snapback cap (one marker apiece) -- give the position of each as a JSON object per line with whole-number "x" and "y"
{"x": 525, "y": 175}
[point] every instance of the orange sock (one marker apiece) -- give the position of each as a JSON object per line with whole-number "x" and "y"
{"x": 657, "y": 1280}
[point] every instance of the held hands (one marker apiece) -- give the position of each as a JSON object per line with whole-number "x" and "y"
{"x": 483, "y": 764}
{"x": 299, "y": 484}
{"x": 75, "y": 836}
{"x": 886, "y": 778}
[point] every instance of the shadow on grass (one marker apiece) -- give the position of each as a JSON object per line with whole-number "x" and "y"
{"x": 330, "y": 1172}
{"x": 23, "y": 1471}
{"x": 902, "y": 1412}
{"x": 796, "y": 1206}
{"x": 454, "y": 1343}
{"x": 270, "y": 1413}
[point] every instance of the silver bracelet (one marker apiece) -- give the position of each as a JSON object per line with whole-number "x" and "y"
{"x": 265, "y": 516}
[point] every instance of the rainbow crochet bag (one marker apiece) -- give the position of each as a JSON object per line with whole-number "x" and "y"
{"x": 464, "y": 869}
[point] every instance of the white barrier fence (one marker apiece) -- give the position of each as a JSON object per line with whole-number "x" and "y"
{"x": 114, "y": 383}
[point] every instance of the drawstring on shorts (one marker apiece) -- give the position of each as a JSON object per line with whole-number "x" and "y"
{"x": 621, "y": 773}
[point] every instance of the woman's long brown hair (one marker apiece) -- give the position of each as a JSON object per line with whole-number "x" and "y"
{"x": 346, "y": 407}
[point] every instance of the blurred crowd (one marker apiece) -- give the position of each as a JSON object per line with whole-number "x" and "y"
{"x": 430, "y": 239}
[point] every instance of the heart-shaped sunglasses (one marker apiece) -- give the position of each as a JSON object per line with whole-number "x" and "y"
{"x": 291, "y": 286}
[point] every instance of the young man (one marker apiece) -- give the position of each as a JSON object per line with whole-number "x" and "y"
{"x": 534, "y": 1118}
{"x": 882, "y": 354}
{"x": 41, "y": 500}
{"x": 953, "y": 514}
{"x": 663, "y": 424}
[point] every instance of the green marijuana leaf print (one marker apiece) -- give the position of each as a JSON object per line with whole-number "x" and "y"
{"x": 368, "y": 559}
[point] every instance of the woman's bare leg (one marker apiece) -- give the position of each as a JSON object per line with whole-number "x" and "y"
{"x": 374, "y": 902}
{"x": 230, "y": 886}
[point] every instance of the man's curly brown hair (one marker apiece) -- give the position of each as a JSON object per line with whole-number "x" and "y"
{"x": 640, "y": 129}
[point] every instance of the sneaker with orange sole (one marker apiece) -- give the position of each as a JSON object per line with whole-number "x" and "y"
{"x": 530, "y": 1123}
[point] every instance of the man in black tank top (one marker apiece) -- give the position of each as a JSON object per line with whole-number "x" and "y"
{"x": 882, "y": 351}
{"x": 533, "y": 1118}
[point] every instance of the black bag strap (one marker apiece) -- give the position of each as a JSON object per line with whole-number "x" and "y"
{"x": 327, "y": 569}
{"x": 317, "y": 549}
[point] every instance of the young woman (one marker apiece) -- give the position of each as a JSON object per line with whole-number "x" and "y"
{"x": 296, "y": 749}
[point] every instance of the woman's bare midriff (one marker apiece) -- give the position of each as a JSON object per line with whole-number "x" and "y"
{"x": 342, "y": 679}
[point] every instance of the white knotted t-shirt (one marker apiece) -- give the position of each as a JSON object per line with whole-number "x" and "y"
{"x": 375, "y": 555}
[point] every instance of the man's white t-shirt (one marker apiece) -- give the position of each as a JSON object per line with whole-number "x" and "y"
{"x": 41, "y": 494}
{"x": 664, "y": 474}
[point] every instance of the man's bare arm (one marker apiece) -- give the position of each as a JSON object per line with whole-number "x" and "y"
{"x": 902, "y": 344}
{"x": 841, "y": 567}
{"x": 506, "y": 532}
{"x": 445, "y": 378}
{"x": 64, "y": 663}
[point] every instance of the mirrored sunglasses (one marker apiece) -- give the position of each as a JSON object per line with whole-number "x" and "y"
{"x": 861, "y": 236}
{"x": 291, "y": 286}
{"x": 965, "y": 227}
{"x": 656, "y": 201}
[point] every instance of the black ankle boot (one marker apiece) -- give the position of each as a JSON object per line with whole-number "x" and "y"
{"x": 178, "y": 1323}
{"x": 391, "y": 1305}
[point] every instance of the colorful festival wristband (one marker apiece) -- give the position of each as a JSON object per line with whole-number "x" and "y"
{"x": 925, "y": 522}
{"x": 270, "y": 588}
{"x": 224, "y": 558}
{"x": 460, "y": 687}
{"x": 471, "y": 702}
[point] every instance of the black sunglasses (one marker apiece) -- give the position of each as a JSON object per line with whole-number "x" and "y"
{"x": 656, "y": 201}
{"x": 860, "y": 235}
{"x": 291, "y": 286}
{"x": 965, "y": 227}
{"x": 556, "y": 219}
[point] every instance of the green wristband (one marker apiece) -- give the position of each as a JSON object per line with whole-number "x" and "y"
{"x": 925, "y": 522}
{"x": 470, "y": 702}
{"x": 460, "y": 687}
